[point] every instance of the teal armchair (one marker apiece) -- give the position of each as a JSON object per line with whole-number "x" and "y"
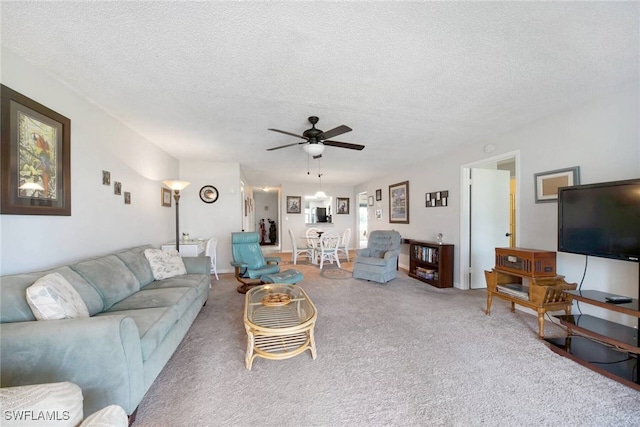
{"x": 252, "y": 267}
{"x": 379, "y": 260}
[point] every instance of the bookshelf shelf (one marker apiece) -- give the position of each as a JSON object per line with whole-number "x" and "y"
{"x": 431, "y": 263}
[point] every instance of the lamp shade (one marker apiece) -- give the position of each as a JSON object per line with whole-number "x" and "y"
{"x": 314, "y": 149}
{"x": 176, "y": 185}
{"x": 320, "y": 195}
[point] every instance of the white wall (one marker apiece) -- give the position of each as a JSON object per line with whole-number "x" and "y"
{"x": 296, "y": 222}
{"x": 218, "y": 219}
{"x": 602, "y": 137}
{"x": 100, "y": 222}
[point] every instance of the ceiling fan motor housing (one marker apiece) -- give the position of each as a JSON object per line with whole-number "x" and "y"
{"x": 312, "y": 134}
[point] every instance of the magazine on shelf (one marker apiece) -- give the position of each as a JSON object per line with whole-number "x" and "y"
{"x": 515, "y": 290}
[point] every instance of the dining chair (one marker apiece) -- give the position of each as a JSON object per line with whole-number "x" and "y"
{"x": 329, "y": 248}
{"x": 210, "y": 251}
{"x": 344, "y": 243}
{"x": 313, "y": 241}
{"x": 308, "y": 251}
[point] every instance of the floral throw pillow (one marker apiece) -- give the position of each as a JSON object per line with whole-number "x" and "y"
{"x": 52, "y": 297}
{"x": 165, "y": 264}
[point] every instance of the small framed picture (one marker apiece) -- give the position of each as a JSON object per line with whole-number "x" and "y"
{"x": 165, "y": 197}
{"x": 342, "y": 205}
{"x": 378, "y": 213}
{"x": 127, "y": 198}
{"x": 379, "y": 194}
{"x": 370, "y": 200}
{"x": 293, "y": 204}
{"x": 117, "y": 188}
{"x": 106, "y": 178}
{"x": 547, "y": 183}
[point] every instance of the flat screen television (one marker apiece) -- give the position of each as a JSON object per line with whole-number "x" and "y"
{"x": 601, "y": 220}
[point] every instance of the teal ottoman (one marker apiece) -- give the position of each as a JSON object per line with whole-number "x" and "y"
{"x": 290, "y": 277}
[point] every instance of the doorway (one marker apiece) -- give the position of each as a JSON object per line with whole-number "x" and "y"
{"x": 363, "y": 220}
{"x": 267, "y": 218}
{"x": 489, "y": 214}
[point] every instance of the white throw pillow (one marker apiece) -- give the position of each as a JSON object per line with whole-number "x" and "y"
{"x": 165, "y": 264}
{"x": 111, "y": 416}
{"x": 51, "y": 404}
{"x": 52, "y": 297}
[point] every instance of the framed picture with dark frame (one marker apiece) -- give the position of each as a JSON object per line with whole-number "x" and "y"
{"x": 379, "y": 194}
{"x": 293, "y": 204}
{"x": 547, "y": 183}
{"x": 399, "y": 203}
{"x": 35, "y": 157}
{"x": 342, "y": 206}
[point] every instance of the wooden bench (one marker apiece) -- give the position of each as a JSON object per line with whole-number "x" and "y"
{"x": 541, "y": 294}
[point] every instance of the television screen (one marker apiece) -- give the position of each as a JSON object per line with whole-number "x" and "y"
{"x": 601, "y": 220}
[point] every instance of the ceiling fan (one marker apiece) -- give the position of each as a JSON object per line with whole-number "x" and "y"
{"x": 315, "y": 140}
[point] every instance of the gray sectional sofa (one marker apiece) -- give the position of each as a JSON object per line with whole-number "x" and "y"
{"x": 135, "y": 325}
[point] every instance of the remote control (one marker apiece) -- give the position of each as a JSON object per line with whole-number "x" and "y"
{"x": 618, "y": 300}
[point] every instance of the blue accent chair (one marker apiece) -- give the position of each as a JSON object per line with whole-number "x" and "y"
{"x": 379, "y": 260}
{"x": 252, "y": 268}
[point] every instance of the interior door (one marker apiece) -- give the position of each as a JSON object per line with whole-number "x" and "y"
{"x": 490, "y": 219}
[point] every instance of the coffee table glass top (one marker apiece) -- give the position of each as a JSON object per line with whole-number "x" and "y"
{"x": 278, "y": 306}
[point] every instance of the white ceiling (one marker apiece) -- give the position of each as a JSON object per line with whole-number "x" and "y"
{"x": 204, "y": 80}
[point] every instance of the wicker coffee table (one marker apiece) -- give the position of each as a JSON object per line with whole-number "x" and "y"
{"x": 279, "y": 320}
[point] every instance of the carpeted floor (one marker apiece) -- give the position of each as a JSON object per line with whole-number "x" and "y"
{"x": 400, "y": 354}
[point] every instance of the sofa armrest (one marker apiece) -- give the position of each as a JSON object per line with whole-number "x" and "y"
{"x": 197, "y": 264}
{"x": 100, "y": 354}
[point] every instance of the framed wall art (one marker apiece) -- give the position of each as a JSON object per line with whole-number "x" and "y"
{"x": 165, "y": 195}
{"x": 35, "y": 157}
{"x": 293, "y": 204}
{"x": 547, "y": 183}
{"x": 379, "y": 194}
{"x": 399, "y": 203}
{"x": 370, "y": 200}
{"x": 342, "y": 205}
{"x": 127, "y": 198}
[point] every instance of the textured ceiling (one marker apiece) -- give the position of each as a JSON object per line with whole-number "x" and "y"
{"x": 204, "y": 80}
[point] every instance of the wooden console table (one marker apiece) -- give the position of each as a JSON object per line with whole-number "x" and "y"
{"x": 542, "y": 294}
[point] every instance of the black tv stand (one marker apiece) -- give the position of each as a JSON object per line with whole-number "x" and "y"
{"x": 606, "y": 347}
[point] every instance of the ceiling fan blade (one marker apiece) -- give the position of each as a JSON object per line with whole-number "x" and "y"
{"x": 344, "y": 145}
{"x": 335, "y": 132}
{"x": 287, "y": 133}
{"x": 318, "y": 156}
{"x": 287, "y": 145}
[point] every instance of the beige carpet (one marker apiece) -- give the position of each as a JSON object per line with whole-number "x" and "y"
{"x": 400, "y": 354}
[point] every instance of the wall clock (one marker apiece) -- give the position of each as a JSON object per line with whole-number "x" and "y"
{"x": 209, "y": 194}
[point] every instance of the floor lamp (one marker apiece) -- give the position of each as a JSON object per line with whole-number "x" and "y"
{"x": 176, "y": 186}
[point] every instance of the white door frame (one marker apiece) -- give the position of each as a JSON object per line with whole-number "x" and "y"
{"x": 465, "y": 209}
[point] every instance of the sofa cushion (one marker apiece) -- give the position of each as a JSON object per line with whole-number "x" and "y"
{"x": 13, "y": 303}
{"x": 178, "y": 298}
{"x": 370, "y": 261}
{"x": 165, "y": 264}
{"x": 110, "y": 277}
{"x": 135, "y": 261}
{"x": 153, "y": 325}
{"x": 52, "y": 298}
{"x": 197, "y": 281}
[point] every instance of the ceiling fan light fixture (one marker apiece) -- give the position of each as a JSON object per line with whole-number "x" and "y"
{"x": 320, "y": 195}
{"x": 314, "y": 149}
